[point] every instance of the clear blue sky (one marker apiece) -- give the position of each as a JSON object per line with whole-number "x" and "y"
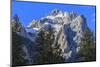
{"x": 27, "y": 11}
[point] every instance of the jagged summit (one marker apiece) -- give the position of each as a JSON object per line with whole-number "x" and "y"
{"x": 55, "y": 12}
{"x": 56, "y": 17}
{"x": 73, "y": 15}
{"x": 16, "y": 25}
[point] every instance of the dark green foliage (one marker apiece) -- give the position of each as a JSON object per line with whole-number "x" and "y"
{"x": 17, "y": 59}
{"x": 18, "y": 54}
{"x": 44, "y": 47}
{"x": 88, "y": 47}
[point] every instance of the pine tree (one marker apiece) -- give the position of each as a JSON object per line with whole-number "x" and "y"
{"x": 17, "y": 58}
{"x": 87, "y": 47}
{"x": 44, "y": 41}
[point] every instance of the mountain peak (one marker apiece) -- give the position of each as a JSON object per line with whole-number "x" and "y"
{"x": 73, "y": 15}
{"x": 16, "y": 18}
{"x": 55, "y": 12}
{"x": 68, "y": 29}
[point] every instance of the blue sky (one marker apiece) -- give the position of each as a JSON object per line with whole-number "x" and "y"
{"x": 27, "y": 11}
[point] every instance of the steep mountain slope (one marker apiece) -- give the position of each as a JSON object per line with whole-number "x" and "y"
{"x": 68, "y": 30}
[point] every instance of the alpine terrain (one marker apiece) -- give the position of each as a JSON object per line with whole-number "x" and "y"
{"x": 59, "y": 37}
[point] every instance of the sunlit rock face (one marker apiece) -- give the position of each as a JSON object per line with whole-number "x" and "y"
{"x": 68, "y": 29}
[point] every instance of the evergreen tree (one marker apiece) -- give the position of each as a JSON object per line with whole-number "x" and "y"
{"x": 45, "y": 40}
{"x": 87, "y": 47}
{"x": 17, "y": 58}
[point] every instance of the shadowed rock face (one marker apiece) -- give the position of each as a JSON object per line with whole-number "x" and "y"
{"x": 67, "y": 27}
